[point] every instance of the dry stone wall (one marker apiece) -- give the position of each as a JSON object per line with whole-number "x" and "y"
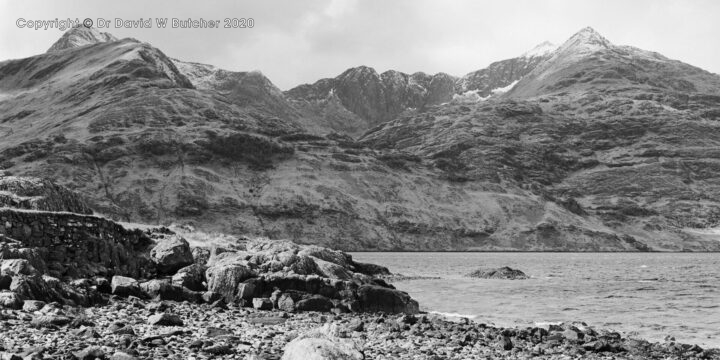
{"x": 79, "y": 245}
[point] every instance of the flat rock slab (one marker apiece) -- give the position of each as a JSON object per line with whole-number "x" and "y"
{"x": 270, "y": 320}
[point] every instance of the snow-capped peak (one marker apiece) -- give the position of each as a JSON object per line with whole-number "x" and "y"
{"x": 540, "y": 50}
{"x": 81, "y": 36}
{"x": 587, "y": 38}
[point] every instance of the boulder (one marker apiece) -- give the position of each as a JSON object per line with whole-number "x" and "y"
{"x": 50, "y": 321}
{"x": 333, "y": 256}
{"x": 322, "y": 344}
{"x": 371, "y": 269}
{"x": 287, "y": 301}
{"x": 102, "y": 285}
{"x": 10, "y": 300}
{"x": 35, "y": 288}
{"x": 162, "y": 290}
{"x": 331, "y": 270}
{"x": 33, "y": 305}
{"x": 191, "y": 277}
{"x": 270, "y": 247}
{"x": 122, "y": 355}
{"x": 5, "y": 281}
{"x": 35, "y": 256}
{"x": 15, "y": 267}
{"x": 373, "y": 298}
{"x": 246, "y": 291}
{"x": 504, "y": 272}
{"x": 201, "y": 255}
{"x": 314, "y": 303}
{"x": 90, "y": 353}
{"x": 165, "y": 319}
{"x": 171, "y": 254}
{"x": 125, "y": 286}
{"x": 224, "y": 279}
{"x": 218, "y": 349}
{"x": 210, "y": 297}
{"x": 262, "y": 303}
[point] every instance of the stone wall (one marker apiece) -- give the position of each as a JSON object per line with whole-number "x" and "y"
{"x": 79, "y": 245}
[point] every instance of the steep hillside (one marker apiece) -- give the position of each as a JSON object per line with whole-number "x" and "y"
{"x": 504, "y": 73}
{"x": 629, "y": 139}
{"x": 589, "y": 62}
{"x": 97, "y": 115}
{"x": 603, "y": 163}
{"x": 360, "y": 98}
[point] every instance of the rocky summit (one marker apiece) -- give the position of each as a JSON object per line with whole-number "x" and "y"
{"x": 582, "y": 146}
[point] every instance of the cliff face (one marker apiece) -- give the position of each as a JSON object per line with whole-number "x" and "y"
{"x": 360, "y": 98}
{"x": 589, "y": 146}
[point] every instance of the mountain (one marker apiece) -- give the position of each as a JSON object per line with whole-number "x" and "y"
{"x": 504, "y": 73}
{"x": 81, "y": 36}
{"x": 613, "y": 133}
{"x": 585, "y": 146}
{"x": 588, "y": 61}
{"x": 360, "y": 98}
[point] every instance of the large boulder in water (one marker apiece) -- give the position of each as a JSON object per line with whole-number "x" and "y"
{"x": 171, "y": 254}
{"x": 505, "y": 273}
{"x": 325, "y": 343}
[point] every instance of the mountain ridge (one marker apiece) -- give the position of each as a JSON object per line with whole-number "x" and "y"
{"x": 524, "y": 164}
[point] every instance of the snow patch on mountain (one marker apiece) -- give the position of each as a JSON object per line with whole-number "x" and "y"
{"x": 471, "y": 96}
{"x": 504, "y": 89}
{"x": 540, "y": 50}
{"x": 583, "y": 43}
{"x": 202, "y": 76}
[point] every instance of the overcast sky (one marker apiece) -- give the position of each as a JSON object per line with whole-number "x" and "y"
{"x": 294, "y": 42}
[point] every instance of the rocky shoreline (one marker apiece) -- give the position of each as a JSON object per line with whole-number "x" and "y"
{"x": 77, "y": 286}
{"x": 128, "y": 328}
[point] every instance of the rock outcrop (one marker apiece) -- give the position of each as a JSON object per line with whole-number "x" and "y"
{"x": 301, "y": 278}
{"x": 504, "y": 273}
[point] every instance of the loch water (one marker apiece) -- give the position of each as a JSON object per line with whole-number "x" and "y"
{"x": 643, "y": 295}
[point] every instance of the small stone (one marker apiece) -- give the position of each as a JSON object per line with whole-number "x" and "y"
{"x": 50, "y": 321}
{"x": 214, "y": 332}
{"x": 220, "y": 349}
{"x": 165, "y": 319}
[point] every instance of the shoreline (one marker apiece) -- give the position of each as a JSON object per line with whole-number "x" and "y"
{"x": 531, "y": 252}
{"x": 121, "y": 330}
